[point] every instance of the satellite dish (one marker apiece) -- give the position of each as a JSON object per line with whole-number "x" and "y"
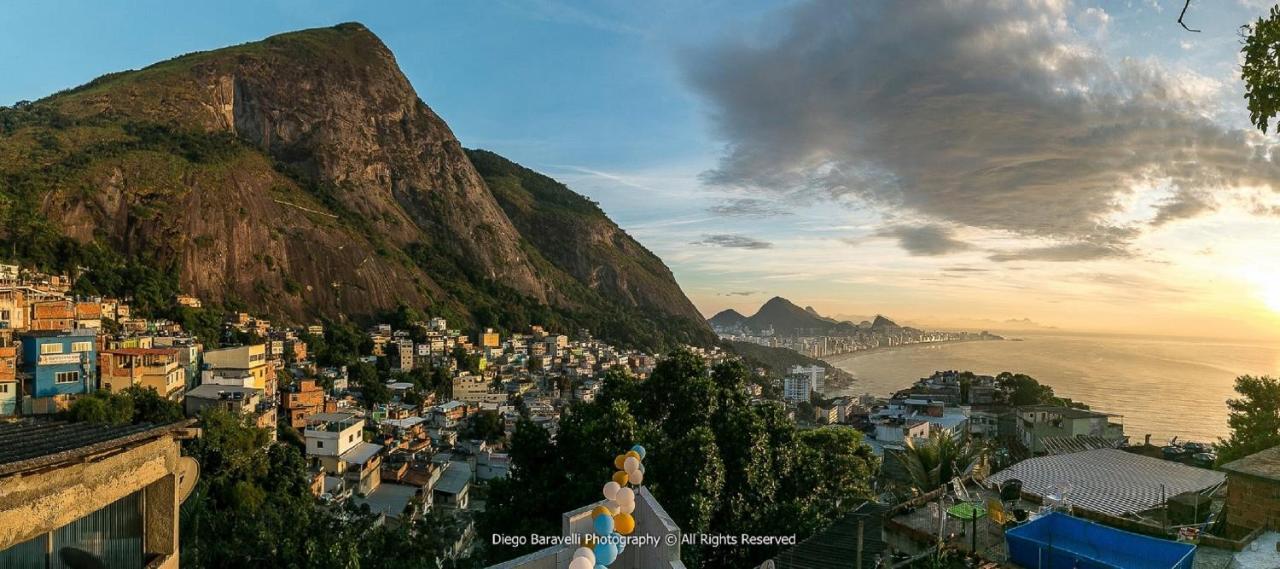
{"x": 188, "y": 474}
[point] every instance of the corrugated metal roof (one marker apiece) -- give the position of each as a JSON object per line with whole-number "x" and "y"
{"x": 1108, "y": 481}
{"x": 33, "y": 443}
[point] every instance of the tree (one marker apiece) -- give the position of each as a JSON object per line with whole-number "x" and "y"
{"x": 1261, "y": 68}
{"x": 938, "y": 460}
{"x": 131, "y": 405}
{"x": 484, "y": 426}
{"x": 718, "y": 462}
{"x": 1254, "y": 420}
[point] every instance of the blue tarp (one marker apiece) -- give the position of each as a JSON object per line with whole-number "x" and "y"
{"x": 1059, "y": 541}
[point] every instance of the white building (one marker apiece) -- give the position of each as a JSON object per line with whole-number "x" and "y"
{"x": 816, "y": 375}
{"x": 797, "y": 387}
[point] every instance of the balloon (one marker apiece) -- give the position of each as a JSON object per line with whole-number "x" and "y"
{"x": 606, "y": 552}
{"x": 620, "y": 477}
{"x": 624, "y": 523}
{"x": 599, "y": 566}
{"x": 590, "y": 540}
{"x": 585, "y": 552}
{"x": 581, "y": 563}
{"x": 603, "y": 525}
{"x": 625, "y": 496}
{"x": 639, "y": 450}
{"x": 617, "y": 461}
{"x": 600, "y": 510}
{"x": 634, "y": 454}
{"x": 610, "y": 489}
{"x": 636, "y": 478}
{"x": 631, "y": 464}
{"x": 627, "y": 508}
{"x": 612, "y": 506}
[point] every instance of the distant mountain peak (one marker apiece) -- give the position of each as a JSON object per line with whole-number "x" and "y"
{"x": 881, "y": 323}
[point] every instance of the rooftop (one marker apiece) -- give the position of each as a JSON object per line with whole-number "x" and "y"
{"x": 1068, "y": 412}
{"x": 455, "y": 478}
{"x": 27, "y": 444}
{"x": 212, "y": 391}
{"x": 389, "y": 499}
{"x": 836, "y": 545}
{"x": 1108, "y": 481}
{"x": 361, "y": 453}
{"x": 1264, "y": 464}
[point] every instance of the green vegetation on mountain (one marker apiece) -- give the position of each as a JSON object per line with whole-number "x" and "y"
{"x": 303, "y": 178}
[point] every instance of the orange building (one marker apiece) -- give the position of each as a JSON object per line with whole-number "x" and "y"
{"x": 305, "y": 400}
{"x": 52, "y": 316}
{"x": 157, "y": 368}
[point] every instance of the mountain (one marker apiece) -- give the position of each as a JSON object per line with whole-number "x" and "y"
{"x": 882, "y": 324}
{"x": 786, "y": 319}
{"x": 302, "y": 176}
{"x": 727, "y": 319}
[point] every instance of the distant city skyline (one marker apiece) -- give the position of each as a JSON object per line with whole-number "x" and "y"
{"x": 1087, "y": 166}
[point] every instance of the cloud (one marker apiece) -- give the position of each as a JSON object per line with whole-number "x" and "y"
{"x": 1063, "y": 253}
{"x": 1183, "y": 204}
{"x": 964, "y": 269}
{"x": 994, "y": 115}
{"x": 925, "y": 240}
{"x": 740, "y": 293}
{"x": 748, "y": 207}
{"x": 733, "y": 241}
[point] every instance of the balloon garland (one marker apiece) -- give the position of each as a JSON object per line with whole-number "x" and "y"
{"x": 613, "y": 520}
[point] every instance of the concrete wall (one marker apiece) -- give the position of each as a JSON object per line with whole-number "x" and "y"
{"x": 39, "y": 502}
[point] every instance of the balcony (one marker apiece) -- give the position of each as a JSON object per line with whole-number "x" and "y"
{"x": 651, "y": 521}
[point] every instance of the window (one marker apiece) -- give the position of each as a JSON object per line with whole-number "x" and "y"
{"x": 351, "y": 438}
{"x": 50, "y": 349}
{"x": 319, "y": 444}
{"x": 66, "y": 377}
{"x": 82, "y": 347}
{"x": 4, "y": 388}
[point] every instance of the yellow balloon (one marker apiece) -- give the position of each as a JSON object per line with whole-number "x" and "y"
{"x": 632, "y": 453}
{"x": 617, "y": 462}
{"x": 620, "y": 477}
{"x": 590, "y": 540}
{"x": 624, "y": 524}
{"x": 600, "y": 510}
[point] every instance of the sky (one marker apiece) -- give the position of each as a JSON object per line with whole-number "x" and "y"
{"x": 1077, "y": 165}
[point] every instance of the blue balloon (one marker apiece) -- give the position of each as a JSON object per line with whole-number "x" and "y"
{"x": 605, "y": 553}
{"x": 618, "y": 540}
{"x": 599, "y": 566}
{"x": 603, "y": 524}
{"x": 639, "y": 450}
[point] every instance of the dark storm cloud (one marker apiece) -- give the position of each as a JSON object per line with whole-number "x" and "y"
{"x": 734, "y": 241}
{"x": 985, "y": 114}
{"x": 925, "y": 240}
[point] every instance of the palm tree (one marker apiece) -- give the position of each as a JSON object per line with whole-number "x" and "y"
{"x": 938, "y": 459}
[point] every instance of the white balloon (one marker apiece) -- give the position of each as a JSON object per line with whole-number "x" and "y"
{"x": 610, "y": 489}
{"x": 625, "y": 496}
{"x": 613, "y": 506}
{"x": 627, "y": 508}
{"x": 636, "y": 477}
{"x": 587, "y": 553}
{"x": 631, "y": 464}
{"x": 582, "y": 563}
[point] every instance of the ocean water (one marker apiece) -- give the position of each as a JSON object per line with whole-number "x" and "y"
{"x": 1162, "y": 386}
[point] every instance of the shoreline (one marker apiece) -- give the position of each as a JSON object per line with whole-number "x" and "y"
{"x": 847, "y": 380}
{"x": 851, "y": 355}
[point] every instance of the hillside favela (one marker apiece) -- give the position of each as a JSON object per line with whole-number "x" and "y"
{"x": 561, "y": 284}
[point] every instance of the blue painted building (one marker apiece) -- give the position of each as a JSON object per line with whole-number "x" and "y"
{"x": 60, "y": 363}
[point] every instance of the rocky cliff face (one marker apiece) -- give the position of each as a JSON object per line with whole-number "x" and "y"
{"x": 302, "y": 175}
